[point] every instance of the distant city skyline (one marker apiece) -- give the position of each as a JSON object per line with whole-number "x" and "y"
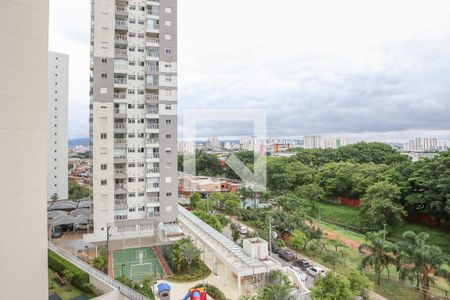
{"x": 387, "y": 74}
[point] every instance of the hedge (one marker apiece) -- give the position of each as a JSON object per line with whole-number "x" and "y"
{"x": 59, "y": 264}
{"x": 212, "y": 290}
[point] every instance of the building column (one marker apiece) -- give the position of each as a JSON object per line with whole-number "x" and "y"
{"x": 239, "y": 285}
{"x": 214, "y": 264}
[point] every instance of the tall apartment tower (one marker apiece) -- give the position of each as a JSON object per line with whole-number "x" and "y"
{"x": 133, "y": 116}
{"x": 312, "y": 142}
{"x": 58, "y": 99}
{"x": 23, "y": 150}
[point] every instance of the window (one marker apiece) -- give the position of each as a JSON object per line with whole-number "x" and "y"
{"x": 168, "y": 50}
{"x": 131, "y": 135}
{"x": 103, "y": 150}
{"x": 103, "y": 136}
{"x": 141, "y": 8}
{"x": 168, "y": 150}
{"x": 168, "y": 79}
{"x": 133, "y": 209}
{"x": 131, "y": 63}
{"x": 132, "y": 7}
{"x": 140, "y": 135}
{"x": 141, "y": 22}
{"x": 104, "y": 75}
{"x": 131, "y": 49}
{"x": 168, "y": 136}
{"x": 130, "y": 106}
{"x": 131, "y": 195}
{"x": 140, "y": 77}
{"x": 131, "y": 179}
{"x": 141, "y": 194}
{"x": 168, "y": 194}
{"x": 167, "y": 36}
{"x": 141, "y": 35}
{"x": 104, "y": 60}
{"x": 103, "y": 166}
{"x": 168, "y": 65}
{"x": 131, "y": 150}
{"x": 141, "y": 50}
{"x": 140, "y": 165}
{"x": 103, "y": 182}
{"x": 131, "y": 165}
{"x": 141, "y": 63}
{"x": 168, "y": 179}
{"x": 168, "y": 164}
{"x": 168, "y": 10}
{"x": 168, "y": 121}
{"x": 131, "y": 34}
{"x": 168, "y": 23}
{"x": 132, "y": 21}
{"x": 103, "y": 90}
{"x": 141, "y": 208}
{"x": 141, "y": 179}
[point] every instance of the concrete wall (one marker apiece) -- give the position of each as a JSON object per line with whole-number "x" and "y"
{"x": 23, "y": 150}
{"x": 58, "y": 100}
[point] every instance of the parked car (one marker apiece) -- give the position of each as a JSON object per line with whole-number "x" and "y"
{"x": 243, "y": 230}
{"x": 316, "y": 271}
{"x": 286, "y": 255}
{"x": 57, "y": 233}
{"x": 296, "y": 269}
{"x": 302, "y": 263}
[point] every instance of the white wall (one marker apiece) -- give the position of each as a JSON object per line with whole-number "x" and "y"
{"x": 58, "y": 98}
{"x": 23, "y": 150}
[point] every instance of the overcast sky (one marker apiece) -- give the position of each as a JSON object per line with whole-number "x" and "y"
{"x": 369, "y": 69}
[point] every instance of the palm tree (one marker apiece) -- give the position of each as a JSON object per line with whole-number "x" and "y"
{"x": 188, "y": 254}
{"x": 277, "y": 287}
{"x": 421, "y": 260}
{"x": 377, "y": 253}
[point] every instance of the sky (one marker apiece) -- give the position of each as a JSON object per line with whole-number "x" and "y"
{"x": 366, "y": 69}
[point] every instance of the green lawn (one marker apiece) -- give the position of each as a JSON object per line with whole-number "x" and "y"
{"x": 66, "y": 292}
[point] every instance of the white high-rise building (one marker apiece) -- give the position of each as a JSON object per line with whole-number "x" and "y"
{"x": 58, "y": 98}
{"x": 133, "y": 109}
{"x": 23, "y": 150}
{"x": 312, "y": 142}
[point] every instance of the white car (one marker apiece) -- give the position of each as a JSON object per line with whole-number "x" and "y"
{"x": 296, "y": 269}
{"x": 316, "y": 271}
{"x": 243, "y": 230}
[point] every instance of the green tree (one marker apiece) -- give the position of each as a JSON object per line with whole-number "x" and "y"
{"x": 332, "y": 287}
{"x": 194, "y": 199}
{"x": 378, "y": 206}
{"x": 312, "y": 192}
{"x": 422, "y": 260}
{"x": 77, "y": 191}
{"x": 297, "y": 240}
{"x": 54, "y": 197}
{"x": 377, "y": 253}
{"x": 277, "y": 287}
{"x": 99, "y": 263}
{"x": 246, "y": 194}
{"x": 68, "y": 276}
{"x": 360, "y": 285}
{"x": 334, "y": 259}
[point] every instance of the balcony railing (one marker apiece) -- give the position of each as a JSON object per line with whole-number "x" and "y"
{"x": 122, "y": 172}
{"x": 153, "y": 214}
{"x": 153, "y": 155}
{"x": 120, "y": 186}
{"x": 120, "y": 111}
{"x": 152, "y": 126}
{"x": 153, "y": 13}
{"x": 153, "y": 185}
{"x": 120, "y": 141}
{"x": 121, "y": 24}
{"x": 121, "y": 52}
{"x": 149, "y": 97}
{"x": 121, "y": 156}
{"x": 153, "y": 200}
{"x": 152, "y": 111}
{"x": 119, "y": 126}
{"x": 153, "y": 53}
{"x": 153, "y": 170}
{"x": 152, "y": 69}
{"x": 121, "y": 10}
{"x": 152, "y": 141}
{"x": 120, "y": 81}
{"x": 153, "y": 40}
{"x": 120, "y": 96}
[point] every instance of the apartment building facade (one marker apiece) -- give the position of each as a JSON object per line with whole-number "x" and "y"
{"x": 58, "y": 100}
{"x": 133, "y": 116}
{"x": 23, "y": 153}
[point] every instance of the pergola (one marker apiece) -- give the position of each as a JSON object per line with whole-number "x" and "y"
{"x": 231, "y": 255}
{"x": 83, "y": 246}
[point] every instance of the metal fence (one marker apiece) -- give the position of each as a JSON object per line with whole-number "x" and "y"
{"x": 123, "y": 289}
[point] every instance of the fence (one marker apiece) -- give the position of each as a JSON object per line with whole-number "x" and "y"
{"x": 123, "y": 289}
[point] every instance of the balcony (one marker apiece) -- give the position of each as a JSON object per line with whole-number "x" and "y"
{"x": 120, "y": 53}
{"x": 152, "y": 41}
{"x": 120, "y": 188}
{"x": 152, "y": 126}
{"x": 120, "y": 142}
{"x": 120, "y": 128}
{"x": 121, "y": 11}
{"x": 153, "y": 155}
{"x": 152, "y": 84}
{"x": 120, "y": 96}
{"x": 152, "y": 69}
{"x": 121, "y": 25}
{"x": 118, "y": 159}
{"x": 120, "y": 82}
{"x": 151, "y": 97}
{"x": 152, "y": 141}
{"x": 152, "y": 54}
{"x": 120, "y": 39}
{"x": 153, "y": 111}
{"x": 152, "y": 2}
{"x": 153, "y": 170}
{"x": 152, "y": 13}
{"x": 153, "y": 214}
{"x": 120, "y": 113}
{"x": 120, "y": 173}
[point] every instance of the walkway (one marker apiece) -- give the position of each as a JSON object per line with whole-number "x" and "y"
{"x": 162, "y": 261}
{"x": 124, "y": 290}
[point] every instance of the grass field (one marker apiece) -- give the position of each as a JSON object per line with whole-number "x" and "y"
{"x": 136, "y": 263}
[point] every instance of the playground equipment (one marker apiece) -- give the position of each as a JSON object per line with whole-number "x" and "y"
{"x": 196, "y": 294}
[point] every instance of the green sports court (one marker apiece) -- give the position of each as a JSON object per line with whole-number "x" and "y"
{"x": 136, "y": 263}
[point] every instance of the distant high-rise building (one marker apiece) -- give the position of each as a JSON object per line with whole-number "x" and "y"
{"x": 335, "y": 142}
{"x": 58, "y": 98}
{"x": 312, "y": 142}
{"x": 133, "y": 116}
{"x": 23, "y": 159}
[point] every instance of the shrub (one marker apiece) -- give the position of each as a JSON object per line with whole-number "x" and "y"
{"x": 212, "y": 290}
{"x": 58, "y": 264}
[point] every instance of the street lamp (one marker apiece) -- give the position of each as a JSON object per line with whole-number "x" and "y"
{"x": 121, "y": 273}
{"x": 107, "y": 248}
